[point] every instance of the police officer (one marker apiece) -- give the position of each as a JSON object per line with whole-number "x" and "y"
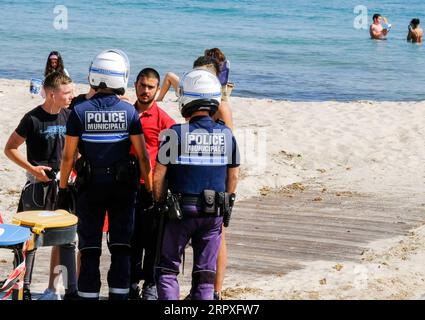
{"x": 200, "y": 161}
{"x": 103, "y": 129}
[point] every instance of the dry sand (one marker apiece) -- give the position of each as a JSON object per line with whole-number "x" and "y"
{"x": 361, "y": 146}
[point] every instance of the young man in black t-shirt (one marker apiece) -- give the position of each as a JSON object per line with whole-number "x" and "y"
{"x": 43, "y": 131}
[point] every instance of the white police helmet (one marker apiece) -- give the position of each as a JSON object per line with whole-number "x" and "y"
{"x": 110, "y": 69}
{"x": 199, "y": 89}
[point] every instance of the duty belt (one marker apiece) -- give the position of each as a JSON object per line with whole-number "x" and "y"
{"x": 103, "y": 171}
{"x": 191, "y": 200}
{"x": 200, "y": 204}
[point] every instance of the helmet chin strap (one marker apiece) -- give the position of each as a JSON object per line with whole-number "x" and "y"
{"x": 208, "y": 105}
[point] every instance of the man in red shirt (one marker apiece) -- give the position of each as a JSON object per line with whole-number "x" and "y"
{"x": 153, "y": 120}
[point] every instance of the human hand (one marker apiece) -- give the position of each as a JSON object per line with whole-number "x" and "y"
{"x": 145, "y": 199}
{"x": 148, "y": 203}
{"x": 64, "y": 199}
{"x": 40, "y": 173}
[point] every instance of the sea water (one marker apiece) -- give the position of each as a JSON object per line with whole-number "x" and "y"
{"x": 278, "y": 49}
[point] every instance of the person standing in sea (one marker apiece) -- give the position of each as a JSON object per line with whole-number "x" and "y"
{"x": 377, "y": 31}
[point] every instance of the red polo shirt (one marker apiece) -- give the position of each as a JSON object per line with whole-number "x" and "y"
{"x": 154, "y": 120}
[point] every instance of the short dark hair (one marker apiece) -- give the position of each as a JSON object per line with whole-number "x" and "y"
{"x": 55, "y": 79}
{"x": 376, "y": 16}
{"x": 415, "y": 22}
{"x": 149, "y": 73}
{"x": 205, "y": 61}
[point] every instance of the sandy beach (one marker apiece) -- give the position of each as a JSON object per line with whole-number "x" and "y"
{"x": 359, "y": 147}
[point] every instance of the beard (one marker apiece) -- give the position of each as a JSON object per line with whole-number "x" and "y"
{"x": 145, "y": 102}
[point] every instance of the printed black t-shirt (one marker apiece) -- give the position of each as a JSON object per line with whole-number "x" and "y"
{"x": 45, "y": 136}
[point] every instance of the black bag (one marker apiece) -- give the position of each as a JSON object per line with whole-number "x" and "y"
{"x": 38, "y": 196}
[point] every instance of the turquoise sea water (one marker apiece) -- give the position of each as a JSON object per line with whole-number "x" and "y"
{"x": 295, "y": 50}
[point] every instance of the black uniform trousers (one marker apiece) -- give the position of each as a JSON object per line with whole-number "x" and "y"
{"x": 94, "y": 200}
